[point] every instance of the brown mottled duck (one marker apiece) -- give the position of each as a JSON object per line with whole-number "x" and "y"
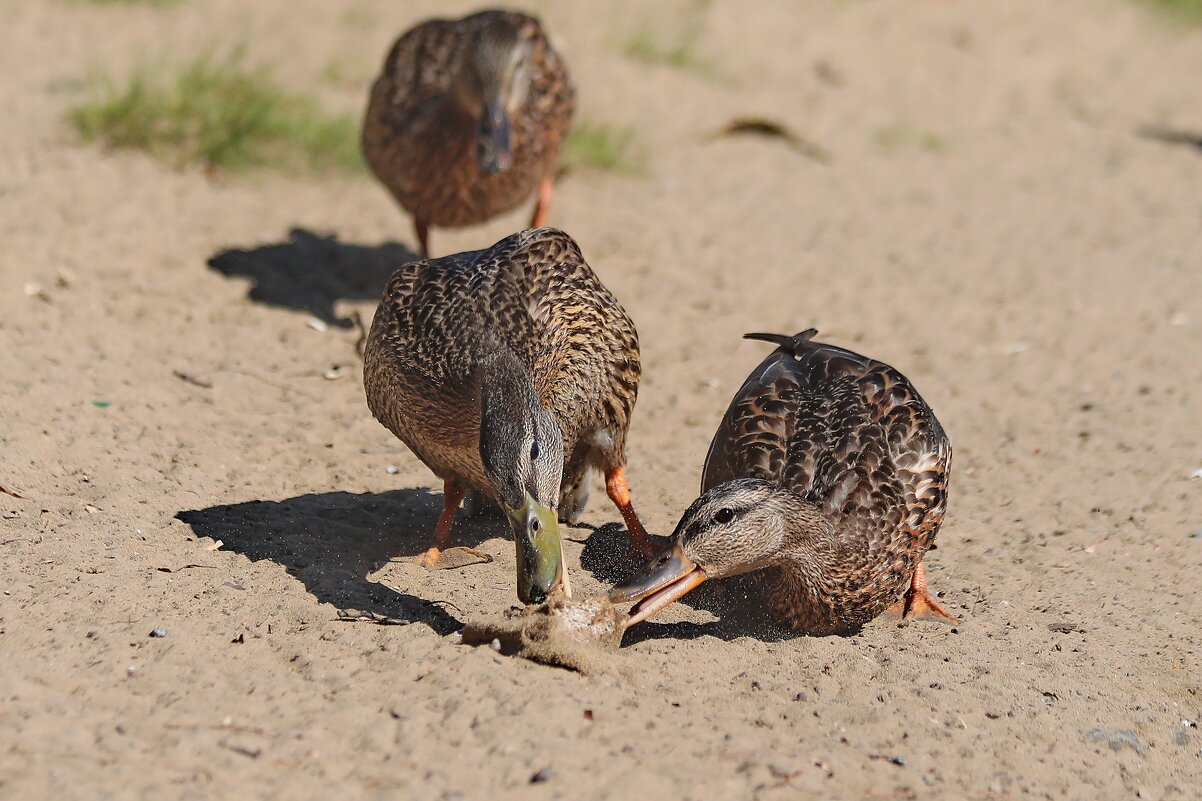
{"x": 511, "y": 371}
{"x": 828, "y": 475}
{"x": 467, "y": 119}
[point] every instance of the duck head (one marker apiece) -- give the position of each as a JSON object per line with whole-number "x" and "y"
{"x": 491, "y": 84}
{"x": 736, "y": 527}
{"x": 521, "y": 448}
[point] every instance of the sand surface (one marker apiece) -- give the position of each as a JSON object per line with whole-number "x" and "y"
{"x": 989, "y": 222}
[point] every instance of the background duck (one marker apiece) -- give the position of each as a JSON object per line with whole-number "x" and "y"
{"x": 828, "y": 474}
{"x": 467, "y": 119}
{"x": 513, "y": 371}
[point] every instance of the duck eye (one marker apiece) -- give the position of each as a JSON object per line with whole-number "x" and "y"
{"x": 535, "y": 525}
{"x": 534, "y": 451}
{"x": 724, "y": 515}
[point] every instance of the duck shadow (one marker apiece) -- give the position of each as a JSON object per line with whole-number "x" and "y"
{"x": 311, "y": 272}
{"x": 332, "y": 541}
{"x": 737, "y": 602}
{"x": 1171, "y": 136}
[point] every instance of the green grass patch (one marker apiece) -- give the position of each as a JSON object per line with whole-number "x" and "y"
{"x": 157, "y": 3}
{"x": 219, "y": 113}
{"x": 645, "y": 47}
{"x": 679, "y": 51}
{"x": 600, "y": 147}
{"x": 1182, "y": 10}
{"x": 904, "y": 136}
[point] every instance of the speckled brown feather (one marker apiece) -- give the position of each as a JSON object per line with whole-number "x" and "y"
{"x": 532, "y": 293}
{"x": 422, "y": 146}
{"x": 850, "y": 435}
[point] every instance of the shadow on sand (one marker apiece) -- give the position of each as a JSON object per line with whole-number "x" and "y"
{"x": 1172, "y": 136}
{"x": 332, "y": 541}
{"x": 311, "y": 272}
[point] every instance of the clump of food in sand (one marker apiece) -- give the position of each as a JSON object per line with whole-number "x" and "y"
{"x": 574, "y": 633}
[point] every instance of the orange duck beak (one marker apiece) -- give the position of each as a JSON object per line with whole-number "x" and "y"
{"x": 663, "y": 580}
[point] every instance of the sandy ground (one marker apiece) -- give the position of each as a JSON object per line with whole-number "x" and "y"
{"x": 989, "y": 222}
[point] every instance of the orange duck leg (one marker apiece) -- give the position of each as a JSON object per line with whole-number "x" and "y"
{"x": 452, "y": 495}
{"x": 918, "y": 604}
{"x": 641, "y": 545}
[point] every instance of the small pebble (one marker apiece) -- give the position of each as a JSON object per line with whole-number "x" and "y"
{"x": 899, "y": 760}
{"x": 541, "y": 776}
{"x": 158, "y": 632}
{"x": 391, "y": 470}
{"x": 91, "y": 635}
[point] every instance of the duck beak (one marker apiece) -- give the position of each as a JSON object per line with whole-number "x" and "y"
{"x": 665, "y": 579}
{"x": 539, "y": 550}
{"x": 495, "y": 149}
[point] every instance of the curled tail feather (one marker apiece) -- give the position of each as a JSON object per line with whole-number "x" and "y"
{"x": 792, "y": 343}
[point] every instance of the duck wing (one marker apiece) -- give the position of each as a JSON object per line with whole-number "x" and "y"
{"x": 418, "y": 67}
{"x": 440, "y": 317}
{"x": 847, "y": 432}
{"x": 752, "y": 441}
{"x": 531, "y": 293}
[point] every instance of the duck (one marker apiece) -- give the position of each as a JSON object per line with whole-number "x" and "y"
{"x": 467, "y": 118}
{"x": 512, "y": 373}
{"x": 827, "y": 479}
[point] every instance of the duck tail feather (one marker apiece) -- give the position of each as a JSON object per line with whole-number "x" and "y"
{"x": 788, "y": 342}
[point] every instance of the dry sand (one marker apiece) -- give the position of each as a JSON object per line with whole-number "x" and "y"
{"x": 989, "y": 222}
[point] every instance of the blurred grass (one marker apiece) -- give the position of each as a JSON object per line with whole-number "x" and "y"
{"x": 601, "y": 147}
{"x": 902, "y": 136}
{"x": 646, "y": 47}
{"x": 679, "y": 51}
{"x": 159, "y": 3}
{"x": 1182, "y": 10}
{"x": 219, "y": 113}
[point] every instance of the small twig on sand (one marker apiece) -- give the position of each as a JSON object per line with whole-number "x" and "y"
{"x": 758, "y": 126}
{"x": 11, "y": 491}
{"x": 345, "y": 616}
{"x": 203, "y": 383}
{"x": 361, "y": 342}
{"x": 280, "y": 387}
{"x": 445, "y": 603}
{"x": 253, "y": 753}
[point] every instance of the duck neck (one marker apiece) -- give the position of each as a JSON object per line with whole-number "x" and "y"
{"x": 807, "y": 539}
{"x": 508, "y": 403}
{"x": 505, "y": 381}
{"x": 829, "y": 580}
